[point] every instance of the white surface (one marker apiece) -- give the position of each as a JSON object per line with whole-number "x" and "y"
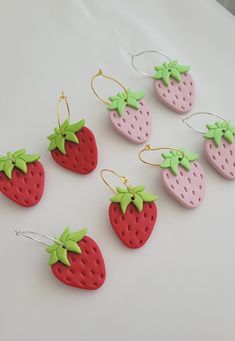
{"x": 181, "y": 285}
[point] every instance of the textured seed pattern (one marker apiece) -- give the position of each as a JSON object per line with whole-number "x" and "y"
{"x": 222, "y": 158}
{"x": 133, "y": 228}
{"x": 87, "y": 270}
{"x": 179, "y": 96}
{"x": 188, "y": 187}
{"x": 24, "y": 189}
{"x": 135, "y": 125}
{"x": 80, "y": 157}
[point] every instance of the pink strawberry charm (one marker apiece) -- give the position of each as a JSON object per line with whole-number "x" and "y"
{"x": 22, "y": 177}
{"x": 183, "y": 177}
{"x": 220, "y": 148}
{"x": 130, "y": 116}
{"x": 174, "y": 86}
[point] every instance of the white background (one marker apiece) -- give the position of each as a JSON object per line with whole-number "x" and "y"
{"x": 180, "y": 286}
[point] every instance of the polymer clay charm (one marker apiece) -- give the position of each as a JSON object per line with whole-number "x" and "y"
{"x": 219, "y": 145}
{"x": 73, "y": 146}
{"x": 173, "y": 84}
{"x": 21, "y": 177}
{"x": 128, "y": 113}
{"x": 182, "y": 175}
{"x": 132, "y": 212}
{"x": 75, "y": 258}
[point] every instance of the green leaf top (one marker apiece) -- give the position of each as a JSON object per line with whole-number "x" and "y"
{"x": 66, "y": 242}
{"x": 122, "y": 100}
{"x": 220, "y": 129}
{"x": 171, "y": 69}
{"x": 176, "y": 158}
{"x": 66, "y": 132}
{"x": 18, "y": 159}
{"x": 135, "y": 195}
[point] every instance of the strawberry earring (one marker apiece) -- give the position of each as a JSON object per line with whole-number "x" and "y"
{"x": 128, "y": 113}
{"x": 173, "y": 84}
{"x": 182, "y": 175}
{"x": 132, "y": 212}
{"x": 73, "y": 146}
{"x": 21, "y": 177}
{"x": 219, "y": 144}
{"x": 75, "y": 258}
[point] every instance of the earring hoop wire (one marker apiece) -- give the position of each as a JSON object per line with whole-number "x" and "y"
{"x": 27, "y": 234}
{"x": 61, "y": 99}
{"x": 184, "y": 119}
{"x": 149, "y": 148}
{"x": 124, "y": 179}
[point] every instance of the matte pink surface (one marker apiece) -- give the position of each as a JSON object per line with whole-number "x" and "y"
{"x": 222, "y": 158}
{"x": 134, "y": 125}
{"x": 188, "y": 187}
{"x": 179, "y": 96}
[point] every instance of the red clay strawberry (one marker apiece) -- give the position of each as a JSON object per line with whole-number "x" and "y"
{"x": 174, "y": 86}
{"x": 184, "y": 177}
{"x": 76, "y": 260}
{"x": 73, "y": 146}
{"x": 220, "y": 148}
{"x": 133, "y": 215}
{"x": 130, "y": 116}
{"x": 22, "y": 177}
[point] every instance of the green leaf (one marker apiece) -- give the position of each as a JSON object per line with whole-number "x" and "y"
{"x": 114, "y": 98}
{"x": 28, "y": 158}
{"x": 209, "y": 134}
{"x": 74, "y": 128}
{"x": 159, "y": 67}
{"x": 113, "y": 105}
{"x": 138, "y": 189}
{"x": 121, "y": 104}
{"x": 117, "y": 197}
{"x": 218, "y": 135}
{"x": 185, "y": 163}
{"x": 62, "y": 255}
{"x": 78, "y": 235}
{"x": 166, "y": 163}
{"x": 158, "y": 74}
{"x": 191, "y": 156}
{"x": 166, "y": 155}
{"x": 165, "y": 76}
{"x": 228, "y": 135}
{"x": 174, "y": 165}
{"x": 52, "y": 248}
{"x": 70, "y": 136}
{"x": 8, "y": 167}
{"x": 183, "y": 68}
{"x": 65, "y": 235}
{"x": 53, "y": 259}
{"x": 21, "y": 164}
{"x": 138, "y": 202}
{"x": 132, "y": 102}
{"x": 175, "y": 74}
{"x": 72, "y": 246}
{"x": 211, "y": 126}
{"x": 18, "y": 153}
{"x": 138, "y": 95}
{"x": 52, "y": 145}
{"x": 146, "y": 197}
{"x": 126, "y": 199}
{"x": 1, "y": 165}
{"x": 51, "y": 137}
{"x": 121, "y": 190}
{"x": 65, "y": 124}
{"x": 60, "y": 140}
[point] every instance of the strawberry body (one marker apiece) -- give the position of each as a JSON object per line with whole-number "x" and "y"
{"x": 86, "y": 270}
{"x": 188, "y": 187}
{"x": 133, "y": 228}
{"x": 80, "y": 157}
{"x": 178, "y": 96}
{"x": 134, "y": 124}
{"x": 222, "y": 157}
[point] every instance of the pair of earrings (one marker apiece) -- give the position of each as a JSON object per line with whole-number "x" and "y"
{"x": 72, "y": 146}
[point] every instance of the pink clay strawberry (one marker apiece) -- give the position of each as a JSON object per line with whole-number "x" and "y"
{"x": 76, "y": 260}
{"x": 73, "y": 146}
{"x": 184, "y": 177}
{"x": 174, "y": 86}
{"x": 130, "y": 116}
{"x": 220, "y": 148}
{"x": 21, "y": 177}
{"x": 133, "y": 215}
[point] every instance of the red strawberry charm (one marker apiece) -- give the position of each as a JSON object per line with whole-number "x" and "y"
{"x": 183, "y": 177}
{"x": 76, "y": 260}
{"x": 22, "y": 177}
{"x": 133, "y": 215}
{"x": 130, "y": 116}
{"x": 174, "y": 86}
{"x": 220, "y": 148}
